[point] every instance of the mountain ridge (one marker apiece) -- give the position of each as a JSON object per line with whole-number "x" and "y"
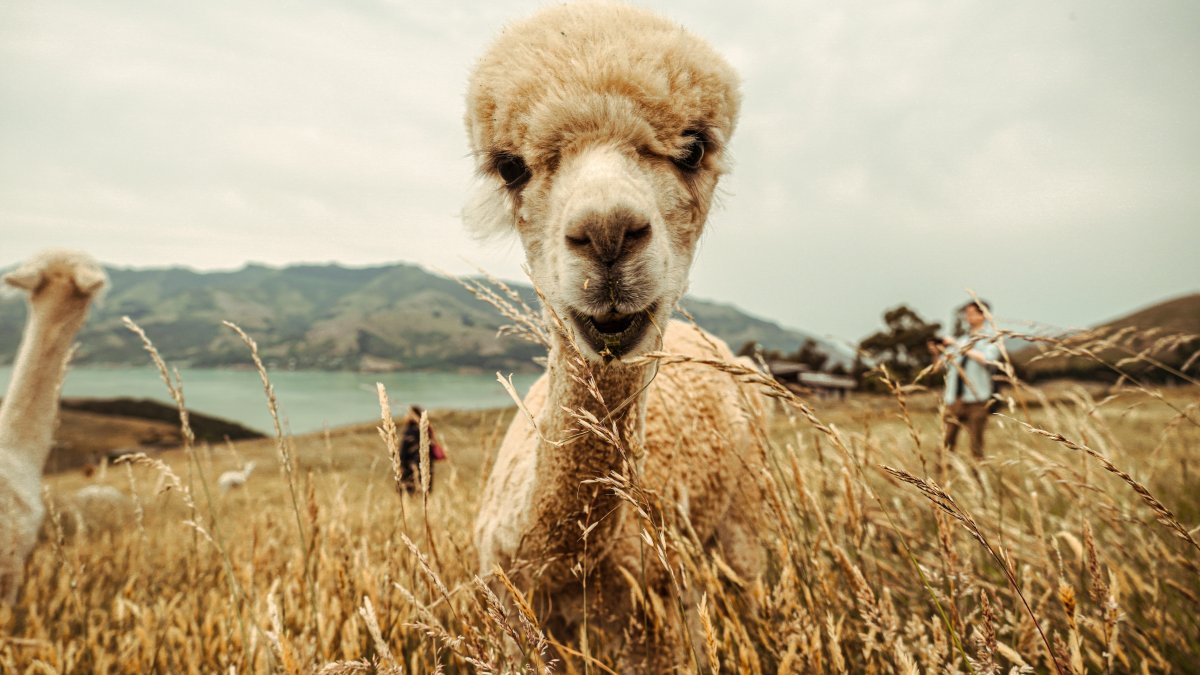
{"x": 1167, "y": 331}
{"x": 328, "y": 317}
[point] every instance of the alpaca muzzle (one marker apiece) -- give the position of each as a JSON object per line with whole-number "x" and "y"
{"x": 606, "y": 237}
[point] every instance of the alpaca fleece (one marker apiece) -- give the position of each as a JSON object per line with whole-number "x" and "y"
{"x": 600, "y": 103}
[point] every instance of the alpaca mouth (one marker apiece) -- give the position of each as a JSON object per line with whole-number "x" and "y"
{"x": 613, "y": 334}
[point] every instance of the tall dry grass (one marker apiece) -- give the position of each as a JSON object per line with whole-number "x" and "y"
{"x": 1071, "y": 548}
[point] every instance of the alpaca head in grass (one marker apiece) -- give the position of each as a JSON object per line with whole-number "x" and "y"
{"x": 599, "y": 133}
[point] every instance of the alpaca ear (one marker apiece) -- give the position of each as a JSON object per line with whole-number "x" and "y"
{"x": 26, "y": 277}
{"x": 89, "y": 279}
{"x": 489, "y": 211}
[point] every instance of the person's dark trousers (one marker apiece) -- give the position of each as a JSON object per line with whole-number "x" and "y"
{"x": 973, "y": 416}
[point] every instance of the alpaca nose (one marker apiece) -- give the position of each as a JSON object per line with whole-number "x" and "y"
{"x": 608, "y": 236}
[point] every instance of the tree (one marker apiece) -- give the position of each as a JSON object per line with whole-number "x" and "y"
{"x": 901, "y": 346}
{"x": 811, "y": 355}
{"x": 749, "y": 348}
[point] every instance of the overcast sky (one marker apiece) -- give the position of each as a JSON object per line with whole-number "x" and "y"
{"x": 1045, "y": 154}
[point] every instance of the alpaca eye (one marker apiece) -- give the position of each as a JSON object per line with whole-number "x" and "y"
{"x": 695, "y": 151}
{"x": 512, "y": 170}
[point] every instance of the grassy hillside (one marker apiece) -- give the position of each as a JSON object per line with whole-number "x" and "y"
{"x": 1178, "y": 315}
{"x": 325, "y": 317}
{"x": 90, "y": 429}
{"x": 1167, "y": 332}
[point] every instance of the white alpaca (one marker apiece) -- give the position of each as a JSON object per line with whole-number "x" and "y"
{"x": 61, "y": 284}
{"x": 231, "y": 480}
{"x": 600, "y": 132}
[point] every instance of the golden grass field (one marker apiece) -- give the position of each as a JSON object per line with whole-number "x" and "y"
{"x": 1072, "y": 550}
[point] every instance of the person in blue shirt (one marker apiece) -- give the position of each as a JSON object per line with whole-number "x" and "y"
{"x": 969, "y": 362}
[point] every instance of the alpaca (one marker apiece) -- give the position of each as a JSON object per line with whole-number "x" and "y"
{"x": 61, "y": 285}
{"x": 235, "y": 479}
{"x": 600, "y": 132}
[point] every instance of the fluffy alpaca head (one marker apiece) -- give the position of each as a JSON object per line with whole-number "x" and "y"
{"x": 59, "y": 274}
{"x": 599, "y": 133}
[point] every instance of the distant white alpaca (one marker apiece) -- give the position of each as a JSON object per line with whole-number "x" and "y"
{"x": 61, "y": 285}
{"x": 235, "y": 479}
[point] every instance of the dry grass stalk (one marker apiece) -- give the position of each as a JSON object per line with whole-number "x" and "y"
{"x": 527, "y": 323}
{"x": 946, "y": 503}
{"x": 710, "y": 637}
{"x": 1161, "y": 512}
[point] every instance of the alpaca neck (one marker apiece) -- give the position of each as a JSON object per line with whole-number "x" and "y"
{"x": 30, "y": 407}
{"x": 564, "y": 502}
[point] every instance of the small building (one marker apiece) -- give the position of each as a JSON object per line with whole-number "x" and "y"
{"x": 803, "y": 380}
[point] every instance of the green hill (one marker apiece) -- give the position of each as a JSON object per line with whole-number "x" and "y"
{"x": 324, "y": 317}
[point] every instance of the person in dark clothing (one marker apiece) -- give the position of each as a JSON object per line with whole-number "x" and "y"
{"x": 410, "y": 451}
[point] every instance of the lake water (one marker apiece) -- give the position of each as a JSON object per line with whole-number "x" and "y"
{"x": 308, "y": 400}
